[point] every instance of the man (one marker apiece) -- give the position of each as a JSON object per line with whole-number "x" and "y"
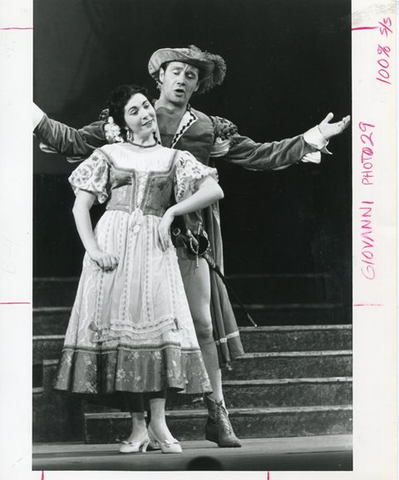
{"x": 181, "y": 72}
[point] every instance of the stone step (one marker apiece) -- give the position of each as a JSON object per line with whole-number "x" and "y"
{"x": 50, "y": 320}
{"x": 255, "y": 339}
{"x": 306, "y": 390}
{"x": 47, "y": 347}
{"x": 247, "y": 423}
{"x": 49, "y": 368}
{"x": 54, "y": 291}
{"x": 271, "y": 365}
{"x": 280, "y": 288}
{"x": 287, "y": 392}
{"x": 250, "y": 288}
{"x": 262, "y": 366}
{"x": 296, "y": 338}
{"x": 56, "y": 417}
{"x": 37, "y": 374}
{"x": 285, "y": 299}
{"x": 293, "y": 314}
{"x": 54, "y": 320}
{"x": 58, "y": 420}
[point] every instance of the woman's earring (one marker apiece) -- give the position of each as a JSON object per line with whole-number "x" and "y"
{"x": 129, "y": 135}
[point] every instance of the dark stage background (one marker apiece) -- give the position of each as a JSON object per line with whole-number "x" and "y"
{"x": 288, "y": 65}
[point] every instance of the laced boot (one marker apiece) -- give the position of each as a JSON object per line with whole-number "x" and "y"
{"x": 218, "y": 428}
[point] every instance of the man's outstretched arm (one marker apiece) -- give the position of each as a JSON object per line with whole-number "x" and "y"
{"x": 251, "y": 155}
{"x": 56, "y": 137}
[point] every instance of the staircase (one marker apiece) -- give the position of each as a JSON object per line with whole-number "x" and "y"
{"x": 294, "y": 380}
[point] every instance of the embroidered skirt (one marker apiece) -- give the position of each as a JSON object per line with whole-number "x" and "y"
{"x": 130, "y": 329}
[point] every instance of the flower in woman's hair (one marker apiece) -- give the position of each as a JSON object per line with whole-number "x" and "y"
{"x": 104, "y": 115}
{"x": 112, "y": 131}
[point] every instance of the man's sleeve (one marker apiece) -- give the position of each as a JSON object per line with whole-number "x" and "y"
{"x": 245, "y": 152}
{"x": 71, "y": 142}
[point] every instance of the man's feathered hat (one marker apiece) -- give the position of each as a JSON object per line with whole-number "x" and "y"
{"x": 212, "y": 67}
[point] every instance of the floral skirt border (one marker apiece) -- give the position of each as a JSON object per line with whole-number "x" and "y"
{"x": 127, "y": 369}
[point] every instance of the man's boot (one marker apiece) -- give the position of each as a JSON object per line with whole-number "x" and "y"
{"x": 218, "y": 428}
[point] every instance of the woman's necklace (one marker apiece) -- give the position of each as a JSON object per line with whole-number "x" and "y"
{"x": 142, "y": 146}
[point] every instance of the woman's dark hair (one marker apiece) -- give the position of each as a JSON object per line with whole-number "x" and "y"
{"x": 118, "y": 100}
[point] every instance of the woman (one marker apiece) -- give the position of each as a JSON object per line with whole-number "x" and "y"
{"x": 130, "y": 331}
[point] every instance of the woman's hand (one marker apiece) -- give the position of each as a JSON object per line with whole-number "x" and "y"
{"x": 164, "y": 228}
{"x": 106, "y": 261}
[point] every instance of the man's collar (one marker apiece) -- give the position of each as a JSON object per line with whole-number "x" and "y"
{"x": 188, "y": 119}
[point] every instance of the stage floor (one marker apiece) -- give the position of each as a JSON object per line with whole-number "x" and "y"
{"x": 317, "y": 453}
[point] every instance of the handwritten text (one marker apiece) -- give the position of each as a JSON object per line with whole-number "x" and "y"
{"x": 383, "y": 52}
{"x": 366, "y": 156}
{"x": 367, "y": 239}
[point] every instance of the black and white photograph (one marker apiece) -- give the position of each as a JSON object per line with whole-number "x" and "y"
{"x": 194, "y": 259}
{"x": 212, "y": 120}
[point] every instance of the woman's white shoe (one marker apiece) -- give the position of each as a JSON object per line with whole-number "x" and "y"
{"x": 134, "y": 447}
{"x": 167, "y": 446}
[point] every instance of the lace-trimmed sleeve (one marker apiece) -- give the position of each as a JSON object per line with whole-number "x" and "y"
{"x": 92, "y": 176}
{"x": 224, "y": 131}
{"x": 188, "y": 172}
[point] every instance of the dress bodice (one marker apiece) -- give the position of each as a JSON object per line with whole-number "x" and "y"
{"x": 144, "y": 186}
{"x": 146, "y": 182}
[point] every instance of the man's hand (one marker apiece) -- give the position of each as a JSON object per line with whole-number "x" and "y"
{"x": 329, "y": 130}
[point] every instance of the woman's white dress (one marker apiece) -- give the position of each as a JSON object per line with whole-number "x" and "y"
{"x": 130, "y": 329}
